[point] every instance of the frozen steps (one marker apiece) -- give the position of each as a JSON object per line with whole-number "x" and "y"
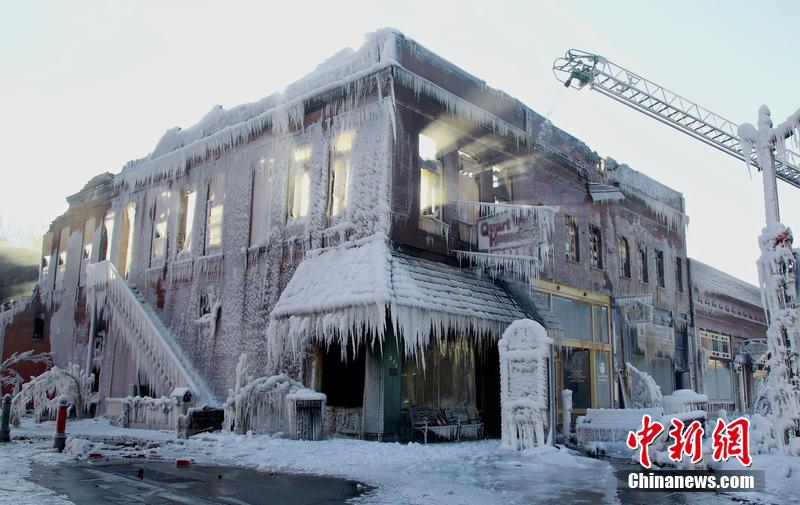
{"x": 154, "y": 350}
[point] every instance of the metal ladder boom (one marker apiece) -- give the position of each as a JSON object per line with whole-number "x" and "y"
{"x": 579, "y": 68}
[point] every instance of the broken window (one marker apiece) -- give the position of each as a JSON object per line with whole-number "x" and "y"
{"x": 45, "y": 266}
{"x": 214, "y": 209}
{"x": 88, "y": 238}
{"x": 624, "y": 258}
{"x": 340, "y": 172}
{"x": 500, "y": 186}
{"x": 660, "y": 268}
{"x": 644, "y": 269}
{"x": 299, "y": 183}
{"x": 430, "y": 179}
{"x": 208, "y": 299}
{"x": 186, "y": 208}
{"x": 679, "y": 274}
{"x": 596, "y": 247}
{"x": 161, "y": 214}
{"x": 61, "y": 267}
{"x": 571, "y": 231}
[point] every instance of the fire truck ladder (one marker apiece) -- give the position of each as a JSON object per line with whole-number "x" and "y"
{"x": 579, "y": 68}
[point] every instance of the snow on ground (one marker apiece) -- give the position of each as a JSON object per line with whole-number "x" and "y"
{"x": 15, "y": 467}
{"x": 453, "y": 473}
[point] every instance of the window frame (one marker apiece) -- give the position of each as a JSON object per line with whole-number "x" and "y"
{"x": 596, "y": 247}
{"x": 572, "y": 239}
{"x": 660, "y": 274}
{"x": 624, "y": 250}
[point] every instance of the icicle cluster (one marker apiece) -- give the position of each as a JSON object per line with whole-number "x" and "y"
{"x": 524, "y": 352}
{"x": 662, "y": 201}
{"x": 258, "y": 405}
{"x": 43, "y": 392}
{"x": 644, "y": 392}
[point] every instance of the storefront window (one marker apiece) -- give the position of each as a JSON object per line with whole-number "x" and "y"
{"x": 575, "y": 317}
{"x": 601, "y": 323}
{"x": 444, "y": 377}
{"x": 718, "y": 382}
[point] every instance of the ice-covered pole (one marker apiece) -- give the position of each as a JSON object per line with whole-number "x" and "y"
{"x": 776, "y": 268}
{"x": 5, "y": 433}
{"x": 60, "y": 437}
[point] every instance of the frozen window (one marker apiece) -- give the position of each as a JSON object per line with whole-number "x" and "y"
{"x": 575, "y": 316}
{"x": 299, "y": 183}
{"x": 126, "y": 251}
{"x": 571, "y": 231}
{"x": 45, "y": 265}
{"x": 61, "y": 267}
{"x": 186, "y": 219}
{"x": 159, "y": 247}
{"x": 208, "y": 299}
{"x": 214, "y": 209}
{"x": 660, "y": 268}
{"x": 430, "y": 179}
{"x": 679, "y": 274}
{"x": 596, "y": 247}
{"x": 261, "y": 202}
{"x": 340, "y": 172}
{"x": 106, "y": 236}
{"x": 38, "y": 328}
{"x": 500, "y": 186}
{"x": 644, "y": 269}
{"x": 624, "y": 258}
{"x": 717, "y": 345}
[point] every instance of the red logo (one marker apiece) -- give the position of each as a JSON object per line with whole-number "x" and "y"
{"x": 728, "y": 440}
{"x": 644, "y": 438}
{"x": 732, "y": 440}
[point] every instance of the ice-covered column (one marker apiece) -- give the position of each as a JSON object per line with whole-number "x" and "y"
{"x": 524, "y": 351}
{"x": 777, "y": 270}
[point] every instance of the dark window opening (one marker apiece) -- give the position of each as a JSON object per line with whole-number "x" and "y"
{"x": 342, "y": 380}
{"x": 596, "y": 247}
{"x": 624, "y": 258}
{"x": 679, "y": 274}
{"x": 572, "y": 241}
{"x": 38, "y": 328}
{"x": 660, "y": 268}
{"x": 644, "y": 272}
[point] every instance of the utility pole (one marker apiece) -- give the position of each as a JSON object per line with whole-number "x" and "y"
{"x": 777, "y": 270}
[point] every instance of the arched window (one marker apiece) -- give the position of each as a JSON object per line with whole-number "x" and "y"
{"x": 624, "y": 258}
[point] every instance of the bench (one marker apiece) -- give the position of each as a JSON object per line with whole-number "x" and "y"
{"x": 469, "y": 427}
{"x": 432, "y": 420}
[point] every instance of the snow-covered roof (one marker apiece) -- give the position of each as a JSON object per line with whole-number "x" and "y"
{"x": 707, "y": 279}
{"x": 348, "y": 292}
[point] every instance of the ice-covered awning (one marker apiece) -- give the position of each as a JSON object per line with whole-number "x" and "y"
{"x": 604, "y": 193}
{"x": 346, "y": 294}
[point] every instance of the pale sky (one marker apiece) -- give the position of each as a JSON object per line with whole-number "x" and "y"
{"x": 87, "y": 86}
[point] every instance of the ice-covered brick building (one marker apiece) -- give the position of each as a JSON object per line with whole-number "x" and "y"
{"x": 371, "y": 230}
{"x": 730, "y": 329}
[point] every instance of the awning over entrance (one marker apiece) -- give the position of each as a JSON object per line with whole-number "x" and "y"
{"x": 346, "y": 293}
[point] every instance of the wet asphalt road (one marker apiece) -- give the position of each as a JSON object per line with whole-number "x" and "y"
{"x": 128, "y": 482}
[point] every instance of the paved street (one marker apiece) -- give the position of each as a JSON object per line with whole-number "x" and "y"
{"x": 163, "y": 483}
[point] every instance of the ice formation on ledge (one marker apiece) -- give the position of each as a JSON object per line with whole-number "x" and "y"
{"x": 660, "y": 199}
{"x": 345, "y": 293}
{"x": 524, "y": 352}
